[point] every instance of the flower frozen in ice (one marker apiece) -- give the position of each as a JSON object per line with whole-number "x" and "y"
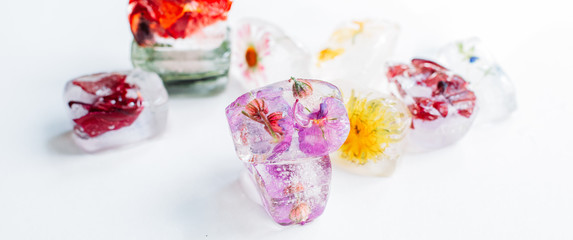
{"x": 301, "y": 88}
{"x": 250, "y": 48}
{"x": 257, "y": 110}
{"x": 118, "y": 105}
{"x": 444, "y": 92}
{"x": 152, "y": 19}
{"x": 469, "y": 54}
{"x": 375, "y": 124}
{"x": 323, "y": 130}
{"x": 299, "y": 213}
{"x": 339, "y": 38}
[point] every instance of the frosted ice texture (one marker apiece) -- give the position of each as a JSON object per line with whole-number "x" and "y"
{"x": 355, "y": 54}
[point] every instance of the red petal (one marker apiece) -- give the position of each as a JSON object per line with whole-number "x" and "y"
{"x": 257, "y": 108}
{"x": 179, "y": 19}
{"x": 466, "y": 112}
{"x": 111, "y": 112}
{"x": 433, "y": 80}
{"x": 465, "y": 100}
{"x": 396, "y": 70}
{"x": 274, "y": 119}
{"x": 442, "y": 107}
{"x": 422, "y": 108}
{"x": 97, "y": 123}
{"x": 110, "y": 82}
{"x": 427, "y": 65}
{"x": 444, "y": 85}
{"x": 458, "y": 81}
{"x": 461, "y": 96}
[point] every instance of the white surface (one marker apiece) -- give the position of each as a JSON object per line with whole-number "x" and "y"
{"x": 512, "y": 180}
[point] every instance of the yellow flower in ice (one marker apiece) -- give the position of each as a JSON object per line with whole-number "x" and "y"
{"x": 374, "y": 125}
{"x": 339, "y": 38}
{"x": 328, "y": 54}
{"x": 347, "y": 33}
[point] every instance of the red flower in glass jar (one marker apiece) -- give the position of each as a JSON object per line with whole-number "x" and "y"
{"x": 173, "y": 18}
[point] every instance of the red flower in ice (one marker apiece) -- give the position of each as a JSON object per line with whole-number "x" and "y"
{"x": 113, "y": 110}
{"x": 257, "y": 110}
{"x": 293, "y": 189}
{"x": 173, "y": 18}
{"x": 447, "y": 90}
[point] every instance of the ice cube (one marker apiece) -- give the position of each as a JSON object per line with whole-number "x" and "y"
{"x": 379, "y": 124}
{"x": 441, "y": 114}
{"x": 283, "y": 133}
{"x": 293, "y": 191}
{"x": 262, "y": 54}
{"x": 116, "y": 108}
{"x": 356, "y": 53}
{"x": 474, "y": 63}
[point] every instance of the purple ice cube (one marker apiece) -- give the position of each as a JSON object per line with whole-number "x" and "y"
{"x": 283, "y": 133}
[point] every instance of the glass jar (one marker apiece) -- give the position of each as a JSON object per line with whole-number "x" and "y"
{"x": 187, "y": 43}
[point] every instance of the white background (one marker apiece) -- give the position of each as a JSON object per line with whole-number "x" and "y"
{"x": 512, "y": 180}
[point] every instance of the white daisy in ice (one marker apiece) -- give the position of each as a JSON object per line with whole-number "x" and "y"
{"x": 263, "y": 54}
{"x": 251, "y": 46}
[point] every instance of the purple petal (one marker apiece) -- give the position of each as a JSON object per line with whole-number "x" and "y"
{"x": 234, "y": 109}
{"x": 313, "y": 141}
{"x": 317, "y": 140}
{"x": 280, "y": 171}
{"x": 301, "y": 118}
{"x": 335, "y": 108}
{"x": 321, "y": 113}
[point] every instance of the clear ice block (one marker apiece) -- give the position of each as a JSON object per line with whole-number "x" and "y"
{"x": 262, "y": 54}
{"x": 441, "y": 103}
{"x": 356, "y": 53}
{"x": 378, "y": 127}
{"x": 494, "y": 89}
